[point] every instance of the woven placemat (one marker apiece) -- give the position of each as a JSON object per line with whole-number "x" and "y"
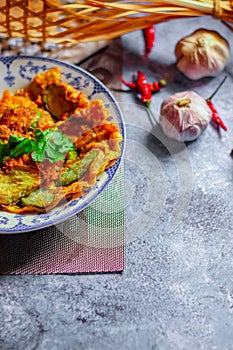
{"x": 91, "y": 241}
{"x": 94, "y": 239}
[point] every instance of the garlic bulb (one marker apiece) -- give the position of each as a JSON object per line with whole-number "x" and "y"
{"x": 184, "y": 116}
{"x": 203, "y": 53}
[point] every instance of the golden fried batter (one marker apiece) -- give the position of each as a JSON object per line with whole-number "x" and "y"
{"x": 48, "y": 106}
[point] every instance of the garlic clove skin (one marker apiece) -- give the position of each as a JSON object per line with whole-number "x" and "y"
{"x": 204, "y": 53}
{"x": 184, "y": 116}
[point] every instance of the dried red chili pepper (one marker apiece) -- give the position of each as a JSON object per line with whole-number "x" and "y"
{"x": 142, "y": 87}
{"x": 156, "y": 86}
{"x": 149, "y": 38}
{"x": 215, "y": 115}
{"x": 132, "y": 86}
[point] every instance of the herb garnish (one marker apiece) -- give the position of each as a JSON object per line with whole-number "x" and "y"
{"x": 49, "y": 144}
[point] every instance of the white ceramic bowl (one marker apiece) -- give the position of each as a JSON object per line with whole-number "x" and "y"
{"x": 15, "y": 73}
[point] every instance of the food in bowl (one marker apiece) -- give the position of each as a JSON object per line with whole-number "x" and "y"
{"x": 54, "y": 142}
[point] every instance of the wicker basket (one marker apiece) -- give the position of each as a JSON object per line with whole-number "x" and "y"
{"x": 90, "y": 20}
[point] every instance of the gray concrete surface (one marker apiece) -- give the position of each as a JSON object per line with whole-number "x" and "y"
{"x": 176, "y": 291}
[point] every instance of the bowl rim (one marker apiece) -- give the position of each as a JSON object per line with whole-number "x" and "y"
{"x": 119, "y": 115}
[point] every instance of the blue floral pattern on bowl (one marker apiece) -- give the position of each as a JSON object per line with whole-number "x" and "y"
{"x": 16, "y": 72}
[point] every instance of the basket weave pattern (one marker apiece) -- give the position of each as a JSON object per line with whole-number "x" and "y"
{"x": 90, "y": 20}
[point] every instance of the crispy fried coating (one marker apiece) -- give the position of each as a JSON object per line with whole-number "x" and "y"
{"x": 27, "y": 186}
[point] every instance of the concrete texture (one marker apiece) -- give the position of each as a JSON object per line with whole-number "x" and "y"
{"x": 176, "y": 291}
